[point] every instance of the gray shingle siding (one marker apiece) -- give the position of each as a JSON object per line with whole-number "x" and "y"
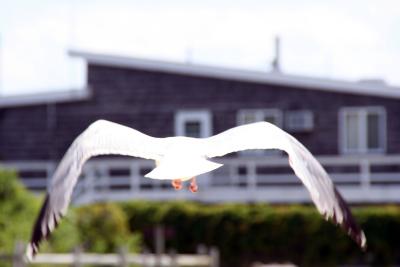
{"x": 148, "y": 100}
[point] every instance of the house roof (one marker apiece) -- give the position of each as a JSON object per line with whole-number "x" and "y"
{"x": 44, "y": 98}
{"x": 372, "y": 87}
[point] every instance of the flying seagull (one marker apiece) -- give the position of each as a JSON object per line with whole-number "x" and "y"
{"x": 182, "y": 158}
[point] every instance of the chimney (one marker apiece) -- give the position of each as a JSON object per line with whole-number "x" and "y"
{"x": 276, "y": 61}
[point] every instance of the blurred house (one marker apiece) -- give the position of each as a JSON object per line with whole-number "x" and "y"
{"x": 352, "y": 127}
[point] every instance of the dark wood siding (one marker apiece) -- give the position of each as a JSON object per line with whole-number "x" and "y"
{"x": 148, "y": 100}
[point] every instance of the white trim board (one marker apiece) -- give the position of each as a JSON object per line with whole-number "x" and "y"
{"x": 303, "y": 82}
{"x": 44, "y": 98}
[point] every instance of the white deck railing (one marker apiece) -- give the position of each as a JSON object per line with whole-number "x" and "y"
{"x": 361, "y": 179}
{"x": 206, "y": 257}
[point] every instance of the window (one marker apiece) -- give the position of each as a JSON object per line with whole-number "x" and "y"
{"x": 254, "y": 115}
{"x": 299, "y": 121}
{"x": 273, "y": 116}
{"x": 193, "y": 123}
{"x": 362, "y": 130}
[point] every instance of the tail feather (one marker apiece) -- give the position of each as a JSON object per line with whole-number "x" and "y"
{"x": 173, "y": 168}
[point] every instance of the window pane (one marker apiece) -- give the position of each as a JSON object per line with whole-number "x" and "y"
{"x": 249, "y": 117}
{"x": 270, "y": 118}
{"x": 352, "y": 131}
{"x": 192, "y": 129}
{"x": 373, "y": 131}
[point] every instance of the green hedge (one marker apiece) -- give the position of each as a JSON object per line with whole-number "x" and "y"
{"x": 99, "y": 228}
{"x": 103, "y": 227}
{"x": 18, "y": 207}
{"x": 245, "y": 233}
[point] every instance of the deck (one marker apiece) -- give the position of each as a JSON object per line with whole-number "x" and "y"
{"x": 361, "y": 179}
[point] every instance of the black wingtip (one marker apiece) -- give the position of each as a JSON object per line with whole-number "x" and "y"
{"x": 349, "y": 224}
{"x": 37, "y": 233}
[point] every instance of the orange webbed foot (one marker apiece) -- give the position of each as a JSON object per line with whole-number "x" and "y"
{"x": 177, "y": 184}
{"x": 193, "y": 186}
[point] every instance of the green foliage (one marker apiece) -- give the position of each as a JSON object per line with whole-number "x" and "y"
{"x": 100, "y": 227}
{"x": 103, "y": 227}
{"x": 65, "y": 238}
{"x": 245, "y": 233}
{"x": 18, "y": 209}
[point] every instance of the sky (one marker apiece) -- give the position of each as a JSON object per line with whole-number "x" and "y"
{"x": 337, "y": 39}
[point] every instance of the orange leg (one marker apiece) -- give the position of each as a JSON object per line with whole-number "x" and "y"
{"x": 193, "y": 185}
{"x": 177, "y": 184}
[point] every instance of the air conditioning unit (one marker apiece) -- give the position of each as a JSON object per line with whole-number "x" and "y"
{"x": 299, "y": 121}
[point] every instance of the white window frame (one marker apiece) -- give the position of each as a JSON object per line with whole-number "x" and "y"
{"x": 203, "y": 116}
{"x": 260, "y": 114}
{"x": 363, "y": 113}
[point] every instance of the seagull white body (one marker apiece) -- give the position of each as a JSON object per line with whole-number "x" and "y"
{"x": 183, "y": 158}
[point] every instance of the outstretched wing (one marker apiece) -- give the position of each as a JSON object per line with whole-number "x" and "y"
{"x": 264, "y": 135}
{"x": 100, "y": 138}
